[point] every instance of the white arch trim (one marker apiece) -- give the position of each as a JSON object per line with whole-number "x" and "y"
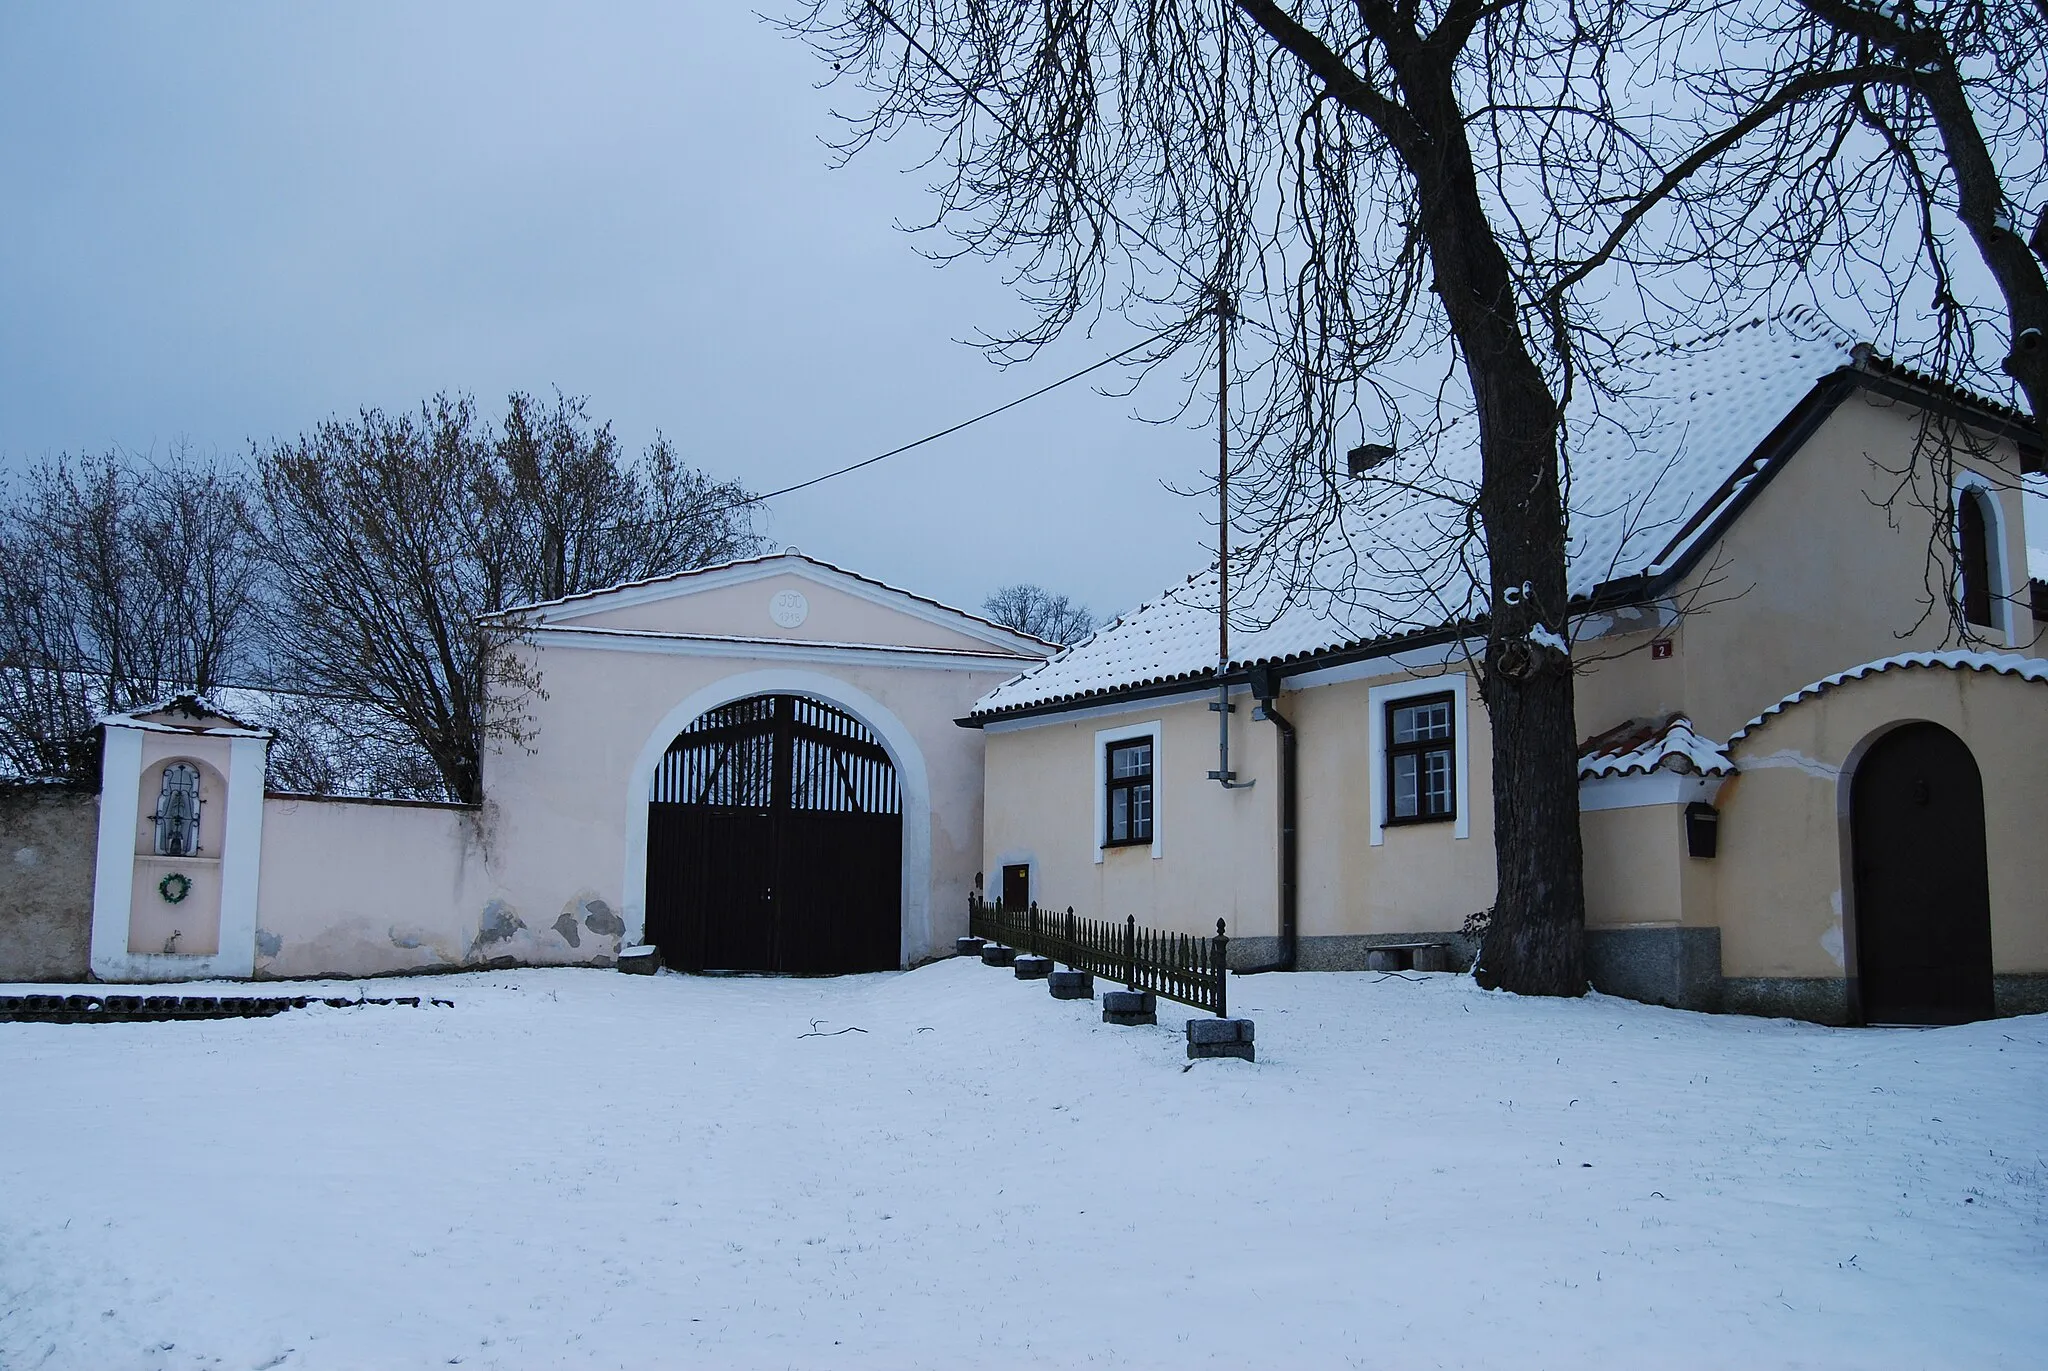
{"x": 911, "y": 779}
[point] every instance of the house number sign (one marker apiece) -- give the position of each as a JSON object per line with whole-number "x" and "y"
{"x": 789, "y": 608}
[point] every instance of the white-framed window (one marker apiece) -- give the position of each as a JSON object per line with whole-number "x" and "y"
{"x": 177, "y": 811}
{"x": 1984, "y": 585}
{"x": 1420, "y": 754}
{"x": 1127, "y": 788}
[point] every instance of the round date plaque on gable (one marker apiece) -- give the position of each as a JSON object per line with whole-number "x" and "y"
{"x": 789, "y": 608}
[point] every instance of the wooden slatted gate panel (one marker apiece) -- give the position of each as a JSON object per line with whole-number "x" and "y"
{"x": 775, "y": 843}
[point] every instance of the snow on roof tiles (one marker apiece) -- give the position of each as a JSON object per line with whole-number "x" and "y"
{"x": 1648, "y": 472}
{"x": 1642, "y": 746}
{"x": 2001, "y": 663}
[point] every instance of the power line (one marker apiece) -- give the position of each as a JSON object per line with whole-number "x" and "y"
{"x": 964, "y": 423}
{"x": 1007, "y": 405}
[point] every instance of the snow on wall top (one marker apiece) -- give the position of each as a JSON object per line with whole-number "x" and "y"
{"x": 1648, "y": 472}
{"x": 2003, "y": 663}
{"x": 1642, "y": 746}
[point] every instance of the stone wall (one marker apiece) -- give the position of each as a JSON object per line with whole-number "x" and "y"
{"x": 49, "y": 839}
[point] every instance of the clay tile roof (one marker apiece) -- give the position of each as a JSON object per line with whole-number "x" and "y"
{"x": 1641, "y": 746}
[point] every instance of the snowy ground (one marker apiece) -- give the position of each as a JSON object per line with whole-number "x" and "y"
{"x": 579, "y": 1168}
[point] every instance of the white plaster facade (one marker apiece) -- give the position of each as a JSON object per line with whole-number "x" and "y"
{"x": 552, "y": 867}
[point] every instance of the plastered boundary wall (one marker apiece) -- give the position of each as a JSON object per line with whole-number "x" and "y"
{"x": 361, "y": 888}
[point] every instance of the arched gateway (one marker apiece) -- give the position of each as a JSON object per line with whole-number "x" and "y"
{"x": 775, "y": 842}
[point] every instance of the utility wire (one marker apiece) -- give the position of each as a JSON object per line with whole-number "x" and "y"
{"x": 1138, "y": 346}
{"x": 752, "y": 500}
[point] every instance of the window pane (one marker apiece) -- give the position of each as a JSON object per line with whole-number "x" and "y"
{"x": 1436, "y": 782}
{"x": 1134, "y": 759}
{"x": 1119, "y": 816}
{"x": 1404, "y": 787}
{"x": 1141, "y": 811}
{"x": 1421, "y": 723}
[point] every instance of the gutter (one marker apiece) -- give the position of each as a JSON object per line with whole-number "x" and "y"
{"x": 1265, "y": 682}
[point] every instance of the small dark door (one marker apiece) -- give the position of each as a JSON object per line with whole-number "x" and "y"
{"x": 775, "y": 843}
{"x": 1016, "y": 887}
{"x": 1923, "y": 891}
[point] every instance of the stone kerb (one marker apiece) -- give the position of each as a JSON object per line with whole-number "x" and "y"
{"x": 1130, "y": 1008}
{"x": 1071, "y": 985}
{"x": 1220, "y": 1038}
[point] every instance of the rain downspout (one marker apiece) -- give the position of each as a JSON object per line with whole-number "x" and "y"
{"x": 1266, "y": 686}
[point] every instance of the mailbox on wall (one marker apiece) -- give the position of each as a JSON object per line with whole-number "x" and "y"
{"x": 1702, "y": 829}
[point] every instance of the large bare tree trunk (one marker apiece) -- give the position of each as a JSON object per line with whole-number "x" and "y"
{"x": 1535, "y": 944}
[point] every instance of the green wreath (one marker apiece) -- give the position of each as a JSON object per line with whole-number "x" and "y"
{"x": 174, "y": 887}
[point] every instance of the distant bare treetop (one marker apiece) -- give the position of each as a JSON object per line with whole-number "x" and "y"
{"x": 392, "y": 535}
{"x": 1037, "y": 611}
{"x": 122, "y": 581}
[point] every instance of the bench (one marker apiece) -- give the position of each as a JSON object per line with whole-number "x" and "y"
{"x": 1418, "y": 956}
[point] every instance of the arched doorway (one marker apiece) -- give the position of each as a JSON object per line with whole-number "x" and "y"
{"x": 775, "y": 842}
{"x": 1923, "y": 892}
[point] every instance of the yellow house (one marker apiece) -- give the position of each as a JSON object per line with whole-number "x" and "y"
{"x": 1809, "y": 675}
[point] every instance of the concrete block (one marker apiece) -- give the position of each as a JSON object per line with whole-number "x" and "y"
{"x": 1029, "y": 968}
{"x": 1244, "y": 1052}
{"x": 640, "y": 961}
{"x": 1377, "y": 960}
{"x": 1130, "y": 1008}
{"x": 995, "y": 954}
{"x": 1071, "y": 985}
{"x": 1209, "y": 1031}
{"x": 968, "y": 947}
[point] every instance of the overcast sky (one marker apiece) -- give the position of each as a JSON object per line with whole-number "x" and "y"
{"x": 226, "y": 222}
{"x": 223, "y": 223}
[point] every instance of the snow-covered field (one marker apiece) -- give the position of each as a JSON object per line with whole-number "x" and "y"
{"x": 579, "y": 1168}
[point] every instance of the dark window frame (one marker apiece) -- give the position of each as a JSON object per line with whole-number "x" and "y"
{"x": 1130, "y": 785}
{"x": 1447, "y": 744}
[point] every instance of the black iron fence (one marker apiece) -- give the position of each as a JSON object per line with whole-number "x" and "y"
{"x": 1179, "y": 966}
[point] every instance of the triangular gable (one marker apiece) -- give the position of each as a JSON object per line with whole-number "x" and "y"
{"x": 185, "y": 714}
{"x": 785, "y": 596}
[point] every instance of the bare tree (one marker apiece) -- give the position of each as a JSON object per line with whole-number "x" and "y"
{"x": 1896, "y": 150}
{"x": 1882, "y": 144}
{"x": 1342, "y": 184}
{"x": 327, "y": 746}
{"x": 393, "y": 536}
{"x": 1037, "y": 611}
{"x": 581, "y": 516}
{"x": 125, "y": 581}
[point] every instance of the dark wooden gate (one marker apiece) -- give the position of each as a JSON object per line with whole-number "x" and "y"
{"x": 775, "y": 843}
{"x": 1923, "y": 891}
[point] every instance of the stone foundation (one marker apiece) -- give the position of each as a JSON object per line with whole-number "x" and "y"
{"x": 1679, "y": 968}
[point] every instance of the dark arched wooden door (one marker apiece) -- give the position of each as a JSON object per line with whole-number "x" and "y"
{"x": 1923, "y": 891}
{"x": 775, "y": 843}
